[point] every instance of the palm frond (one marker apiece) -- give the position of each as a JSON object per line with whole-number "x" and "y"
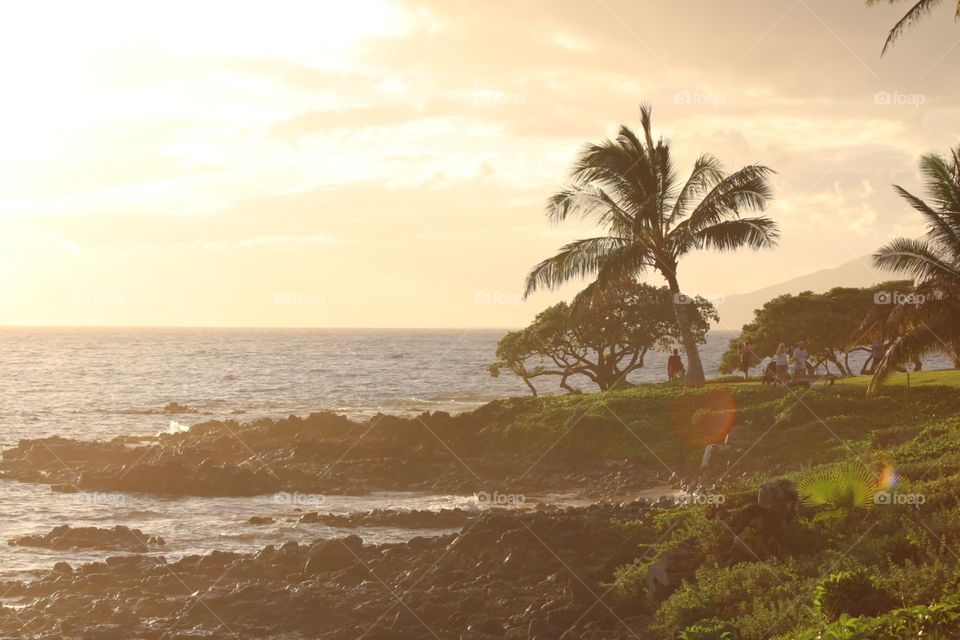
{"x": 911, "y": 18}
{"x": 915, "y": 257}
{"x": 745, "y": 190}
{"x": 755, "y": 233}
{"x": 908, "y": 347}
{"x": 588, "y": 202}
{"x": 943, "y": 184}
{"x": 707, "y": 172}
{"x": 578, "y": 259}
{"x": 940, "y": 227}
{"x": 843, "y": 487}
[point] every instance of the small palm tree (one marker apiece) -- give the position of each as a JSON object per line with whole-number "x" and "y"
{"x": 920, "y": 9}
{"x": 630, "y": 188}
{"x": 928, "y": 321}
{"x": 843, "y": 488}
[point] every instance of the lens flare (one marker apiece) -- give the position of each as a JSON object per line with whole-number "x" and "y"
{"x": 889, "y": 477}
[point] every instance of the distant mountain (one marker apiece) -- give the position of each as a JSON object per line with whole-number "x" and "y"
{"x": 737, "y": 310}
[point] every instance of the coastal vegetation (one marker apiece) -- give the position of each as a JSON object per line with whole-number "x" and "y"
{"x": 630, "y": 188}
{"x": 832, "y": 324}
{"x": 604, "y": 345}
{"x": 865, "y": 547}
{"x": 928, "y": 320}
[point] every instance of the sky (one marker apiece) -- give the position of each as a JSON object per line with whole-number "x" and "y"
{"x": 381, "y": 163}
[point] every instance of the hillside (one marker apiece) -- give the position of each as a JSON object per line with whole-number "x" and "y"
{"x": 737, "y": 310}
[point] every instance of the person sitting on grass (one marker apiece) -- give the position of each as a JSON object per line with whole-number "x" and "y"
{"x": 675, "y": 368}
{"x": 800, "y": 356}
{"x": 770, "y": 372}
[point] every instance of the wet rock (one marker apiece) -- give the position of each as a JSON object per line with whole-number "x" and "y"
{"x": 176, "y": 407}
{"x": 330, "y": 555}
{"x": 343, "y": 588}
{"x": 324, "y": 454}
{"x": 65, "y": 537}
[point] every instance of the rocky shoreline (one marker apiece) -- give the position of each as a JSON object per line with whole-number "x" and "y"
{"x": 511, "y": 573}
{"x": 326, "y": 453}
{"x": 508, "y": 574}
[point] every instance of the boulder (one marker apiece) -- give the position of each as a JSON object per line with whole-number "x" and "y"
{"x": 329, "y": 555}
{"x": 716, "y": 458}
{"x": 779, "y": 498}
{"x": 671, "y": 568}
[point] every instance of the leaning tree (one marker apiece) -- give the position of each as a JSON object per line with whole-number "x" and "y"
{"x": 651, "y": 219}
{"x": 928, "y": 321}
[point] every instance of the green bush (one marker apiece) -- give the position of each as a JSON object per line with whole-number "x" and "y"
{"x": 756, "y": 597}
{"x": 938, "y": 621}
{"x": 854, "y": 593}
{"x": 707, "y": 630}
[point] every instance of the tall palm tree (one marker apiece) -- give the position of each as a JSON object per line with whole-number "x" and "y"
{"x": 920, "y": 9}
{"x": 629, "y": 187}
{"x": 929, "y": 321}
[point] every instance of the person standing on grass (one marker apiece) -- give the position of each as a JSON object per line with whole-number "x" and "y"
{"x": 800, "y": 356}
{"x": 782, "y": 361}
{"x": 675, "y": 368}
{"x": 745, "y": 353}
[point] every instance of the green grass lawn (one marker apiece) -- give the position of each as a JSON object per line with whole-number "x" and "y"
{"x": 947, "y": 378}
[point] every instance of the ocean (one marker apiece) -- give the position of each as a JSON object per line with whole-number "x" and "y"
{"x": 99, "y": 383}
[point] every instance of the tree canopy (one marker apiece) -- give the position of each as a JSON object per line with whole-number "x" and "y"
{"x": 651, "y": 218}
{"x": 831, "y": 323}
{"x": 603, "y": 343}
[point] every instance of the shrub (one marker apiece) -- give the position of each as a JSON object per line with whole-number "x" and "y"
{"x": 707, "y": 630}
{"x": 755, "y": 597}
{"x": 855, "y": 593}
{"x": 938, "y": 621}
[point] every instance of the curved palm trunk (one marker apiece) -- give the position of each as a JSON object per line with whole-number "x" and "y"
{"x": 695, "y": 376}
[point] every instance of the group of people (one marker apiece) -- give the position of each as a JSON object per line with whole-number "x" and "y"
{"x": 776, "y": 371}
{"x": 778, "y": 368}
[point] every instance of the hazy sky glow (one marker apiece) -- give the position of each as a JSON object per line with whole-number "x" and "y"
{"x": 380, "y": 163}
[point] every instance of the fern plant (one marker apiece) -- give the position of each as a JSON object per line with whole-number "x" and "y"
{"x": 842, "y": 488}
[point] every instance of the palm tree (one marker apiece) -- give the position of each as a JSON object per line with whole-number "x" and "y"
{"x": 629, "y": 187}
{"x": 929, "y": 321}
{"x": 920, "y": 9}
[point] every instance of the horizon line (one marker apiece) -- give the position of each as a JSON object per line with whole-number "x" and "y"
{"x": 274, "y": 328}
